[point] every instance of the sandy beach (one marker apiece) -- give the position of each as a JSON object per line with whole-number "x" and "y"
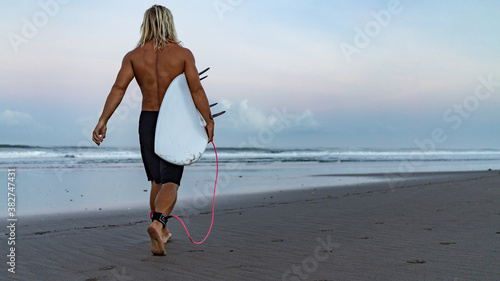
{"x": 350, "y": 141}
{"x": 432, "y": 226}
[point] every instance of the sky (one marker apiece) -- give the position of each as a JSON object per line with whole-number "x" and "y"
{"x": 383, "y": 74}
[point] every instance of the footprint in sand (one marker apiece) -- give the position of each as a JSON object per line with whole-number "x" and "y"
{"x": 196, "y": 251}
{"x": 447, "y": 243}
{"x": 416, "y": 261}
{"x": 109, "y": 267}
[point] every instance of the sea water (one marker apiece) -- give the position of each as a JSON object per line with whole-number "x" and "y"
{"x": 66, "y": 179}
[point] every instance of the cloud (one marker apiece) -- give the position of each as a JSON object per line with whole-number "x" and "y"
{"x": 15, "y": 118}
{"x": 242, "y": 116}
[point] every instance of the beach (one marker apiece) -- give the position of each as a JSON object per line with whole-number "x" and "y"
{"x": 344, "y": 140}
{"x": 423, "y": 226}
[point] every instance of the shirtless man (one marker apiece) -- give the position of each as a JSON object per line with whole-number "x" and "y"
{"x": 154, "y": 63}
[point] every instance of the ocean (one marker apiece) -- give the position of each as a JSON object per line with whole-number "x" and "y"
{"x": 62, "y": 179}
{"x": 46, "y": 157}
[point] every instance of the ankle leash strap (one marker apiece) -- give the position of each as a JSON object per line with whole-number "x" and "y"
{"x": 161, "y": 218}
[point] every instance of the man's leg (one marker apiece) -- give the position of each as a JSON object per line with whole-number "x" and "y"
{"x": 164, "y": 203}
{"x": 155, "y": 189}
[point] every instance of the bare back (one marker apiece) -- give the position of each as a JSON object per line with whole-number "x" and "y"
{"x": 155, "y": 70}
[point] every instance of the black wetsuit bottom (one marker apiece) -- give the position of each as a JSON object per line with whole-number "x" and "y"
{"x": 156, "y": 168}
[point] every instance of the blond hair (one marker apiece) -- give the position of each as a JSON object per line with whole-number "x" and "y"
{"x": 158, "y": 25}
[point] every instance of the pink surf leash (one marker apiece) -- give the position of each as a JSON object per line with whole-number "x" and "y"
{"x": 213, "y": 204}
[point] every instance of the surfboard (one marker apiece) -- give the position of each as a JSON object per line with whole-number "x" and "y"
{"x": 180, "y": 136}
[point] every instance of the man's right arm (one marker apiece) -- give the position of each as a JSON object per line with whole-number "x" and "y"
{"x": 125, "y": 75}
{"x": 198, "y": 93}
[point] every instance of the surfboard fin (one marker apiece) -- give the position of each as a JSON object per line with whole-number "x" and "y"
{"x": 199, "y": 74}
{"x": 218, "y": 114}
{"x": 213, "y": 104}
{"x": 204, "y": 71}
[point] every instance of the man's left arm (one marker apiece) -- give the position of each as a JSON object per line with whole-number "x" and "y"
{"x": 125, "y": 75}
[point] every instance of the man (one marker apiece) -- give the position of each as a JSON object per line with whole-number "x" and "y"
{"x": 154, "y": 63}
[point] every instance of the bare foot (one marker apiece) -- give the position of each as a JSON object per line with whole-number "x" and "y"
{"x": 166, "y": 235}
{"x": 155, "y": 233}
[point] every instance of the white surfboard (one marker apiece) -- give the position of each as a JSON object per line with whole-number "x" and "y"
{"x": 180, "y": 136}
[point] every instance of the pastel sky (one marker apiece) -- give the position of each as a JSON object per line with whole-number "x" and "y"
{"x": 389, "y": 74}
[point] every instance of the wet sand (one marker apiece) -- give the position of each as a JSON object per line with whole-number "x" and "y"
{"x": 430, "y": 226}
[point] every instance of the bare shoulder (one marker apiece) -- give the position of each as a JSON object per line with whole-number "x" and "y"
{"x": 134, "y": 56}
{"x": 185, "y": 52}
{"x": 133, "y": 53}
{"x": 181, "y": 50}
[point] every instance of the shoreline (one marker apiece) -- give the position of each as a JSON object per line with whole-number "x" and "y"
{"x": 439, "y": 226}
{"x": 51, "y": 191}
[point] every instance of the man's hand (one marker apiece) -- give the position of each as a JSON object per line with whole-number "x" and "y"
{"x": 99, "y": 133}
{"x": 210, "y": 131}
